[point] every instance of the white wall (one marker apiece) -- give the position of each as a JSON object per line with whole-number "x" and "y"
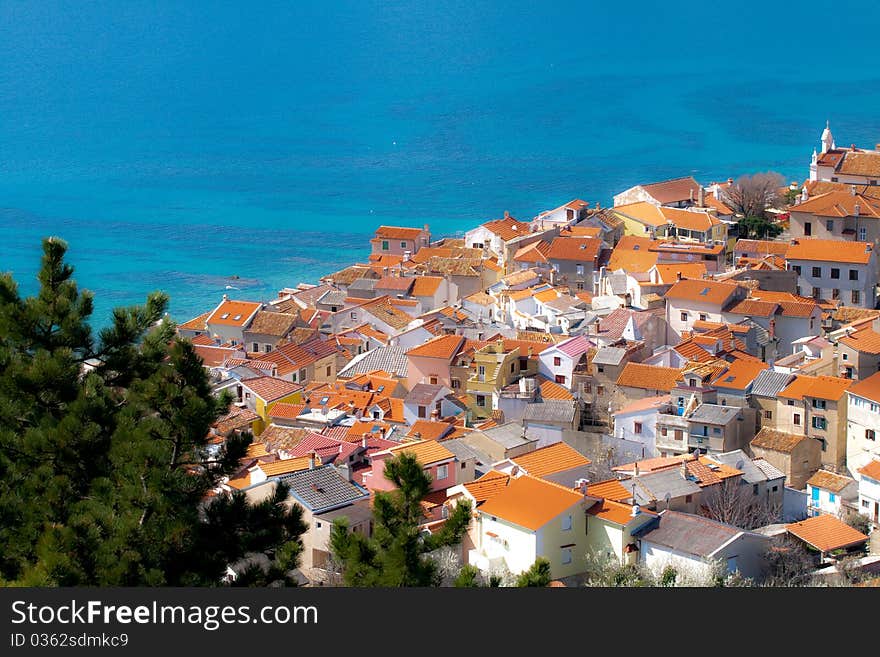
{"x": 862, "y": 414}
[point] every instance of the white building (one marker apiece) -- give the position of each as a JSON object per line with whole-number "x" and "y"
{"x": 826, "y": 492}
{"x": 559, "y": 362}
{"x": 858, "y": 166}
{"x": 636, "y": 423}
{"x": 835, "y": 270}
{"x": 869, "y": 491}
{"x": 690, "y": 300}
{"x": 863, "y": 423}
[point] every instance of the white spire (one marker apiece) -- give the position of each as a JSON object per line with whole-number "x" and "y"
{"x": 827, "y": 138}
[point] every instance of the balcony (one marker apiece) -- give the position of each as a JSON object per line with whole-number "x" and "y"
{"x": 486, "y": 563}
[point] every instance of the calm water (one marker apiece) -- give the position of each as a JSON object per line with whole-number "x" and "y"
{"x": 175, "y": 145}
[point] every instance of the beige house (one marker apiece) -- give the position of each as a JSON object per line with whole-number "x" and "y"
{"x": 796, "y": 455}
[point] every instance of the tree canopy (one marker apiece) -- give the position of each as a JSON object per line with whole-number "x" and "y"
{"x": 398, "y": 553}
{"x": 104, "y": 472}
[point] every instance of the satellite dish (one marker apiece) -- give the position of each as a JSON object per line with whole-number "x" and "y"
{"x": 739, "y": 464}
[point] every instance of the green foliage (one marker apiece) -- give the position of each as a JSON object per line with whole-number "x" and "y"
{"x": 397, "y": 553}
{"x": 758, "y": 228}
{"x": 469, "y": 577}
{"x": 103, "y": 462}
{"x": 606, "y": 570}
{"x": 538, "y": 575}
{"x": 859, "y": 522}
{"x": 791, "y": 196}
{"x": 668, "y": 576}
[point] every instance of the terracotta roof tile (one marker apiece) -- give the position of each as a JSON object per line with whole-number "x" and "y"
{"x": 674, "y": 190}
{"x": 840, "y": 203}
{"x": 425, "y": 451}
{"x": 740, "y": 374}
{"x": 581, "y": 249}
{"x": 871, "y": 470}
{"x": 760, "y": 246}
{"x": 551, "y": 459}
{"x": 552, "y": 390}
{"x": 826, "y": 533}
{"x": 830, "y": 251}
{"x": 269, "y": 388}
{"x": 535, "y": 252}
{"x": 615, "y": 512}
{"x": 428, "y": 430}
{"x": 531, "y": 502}
{"x": 196, "y": 323}
{"x": 508, "y": 228}
{"x": 831, "y": 388}
{"x": 866, "y": 341}
{"x": 704, "y": 291}
{"x": 233, "y": 313}
{"x": 777, "y": 441}
{"x": 426, "y": 286}
{"x": 487, "y": 486}
{"x": 445, "y": 347}
{"x": 648, "y": 377}
{"x": 829, "y": 481}
{"x": 285, "y": 466}
{"x": 397, "y": 233}
{"x": 610, "y": 489}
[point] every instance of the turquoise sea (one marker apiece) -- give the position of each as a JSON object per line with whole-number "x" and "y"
{"x": 177, "y": 144}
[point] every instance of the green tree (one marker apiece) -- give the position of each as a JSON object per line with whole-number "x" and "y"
{"x": 758, "y": 228}
{"x": 398, "y": 553}
{"x": 469, "y": 577}
{"x": 537, "y": 575}
{"x": 104, "y": 471}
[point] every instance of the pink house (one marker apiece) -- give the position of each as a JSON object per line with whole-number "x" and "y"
{"x": 437, "y": 461}
{"x": 431, "y": 362}
{"x": 394, "y": 240}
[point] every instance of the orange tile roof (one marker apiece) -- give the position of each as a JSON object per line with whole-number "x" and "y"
{"x": 487, "y": 486}
{"x": 445, "y": 347}
{"x": 610, "y": 489}
{"x": 213, "y": 356}
{"x": 286, "y": 466}
{"x": 868, "y": 388}
{"x": 551, "y": 389}
{"x": 830, "y": 251}
{"x": 651, "y": 465}
{"x": 196, "y": 323}
{"x": 644, "y": 404}
{"x": 269, "y": 388}
{"x": 286, "y": 411}
{"x": 425, "y": 451}
{"x": 233, "y": 313}
{"x": 866, "y": 340}
{"x": 581, "y": 249}
{"x": 674, "y": 190}
{"x": 831, "y": 388}
{"x": 615, "y": 512}
{"x": 397, "y": 233}
{"x": 740, "y": 374}
{"x": 547, "y": 295}
{"x": 240, "y": 482}
{"x": 429, "y": 430}
{"x": 426, "y": 286}
{"x": 668, "y": 273}
{"x": 690, "y": 219}
{"x": 829, "y": 481}
{"x": 535, "y": 252}
{"x": 581, "y": 231}
{"x": 551, "y": 459}
{"x": 826, "y": 533}
{"x": 508, "y": 228}
{"x": 778, "y": 441}
{"x": 839, "y": 204}
{"x": 648, "y": 377}
{"x": 760, "y": 246}
{"x": 712, "y": 292}
{"x": 256, "y": 449}
{"x": 643, "y": 212}
{"x": 531, "y": 502}
{"x": 519, "y": 295}
{"x": 871, "y": 470}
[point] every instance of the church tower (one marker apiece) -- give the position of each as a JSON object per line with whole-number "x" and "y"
{"x": 827, "y": 138}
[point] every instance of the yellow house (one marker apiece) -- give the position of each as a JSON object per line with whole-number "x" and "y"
{"x": 530, "y": 518}
{"x": 648, "y": 220}
{"x": 610, "y": 527}
{"x": 494, "y": 367}
{"x": 261, "y": 393}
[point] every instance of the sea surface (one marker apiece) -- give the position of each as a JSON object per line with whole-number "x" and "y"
{"x": 191, "y": 146}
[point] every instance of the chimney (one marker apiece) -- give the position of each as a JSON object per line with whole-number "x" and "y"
{"x": 852, "y": 190}
{"x": 364, "y": 441}
{"x": 506, "y": 214}
{"x": 312, "y": 458}
{"x": 345, "y": 471}
{"x": 226, "y": 297}
{"x": 684, "y": 470}
{"x": 701, "y": 197}
{"x": 856, "y": 210}
{"x": 435, "y": 415}
{"x": 678, "y": 275}
{"x": 772, "y": 328}
{"x": 691, "y": 194}
{"x": 636, "y": 510}
{"x": 793, "y": 242}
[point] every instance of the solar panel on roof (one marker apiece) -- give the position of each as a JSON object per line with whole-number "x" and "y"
{"x": 704, "y": 291}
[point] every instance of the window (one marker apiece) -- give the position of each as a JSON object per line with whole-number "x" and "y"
{"x": 403, "y": 245}
{"x": 267, "y": 348}
{"x": 856, "y": 296}
{"x": 835, "y": 293}
{"x": 557, "y": 361}
{"x": 684, "y": 316}
{"x": 845, "y": 356}
{"x": 853, "y": 274}
{"x": 376, "y": 415}
{"x": 456, "y": 384}
{"x": 754, "y": 489}
{"x": 580, "y": 270}
{"x": 835, "y": 272}
{"x": 819, "y": 403}
{"x": 679, "y": 434}
{"x": 817, "y": 272}
{"x": 796, "y": 269}
{"x": 353, "y": 315}
{"x": 791, "y": 402}
{"x": 797, "y": 419}
{"x": 833, "y": 178}
{"x": 302, "y": 375}
{"x": 600, "y": 390}
{"x": 566, "y": 555}
{"x": 831, "y": 497}
{"x": 870, "y": 435}
{"x": 637, "y": 427}
{"x": 716, "y": 431}
{"x": 481, "y": 372}
{"x": 664, "y": 431}
{"x": 513, "y": 367}
{"x": 601, "y": 369}
{"x": 433, "y": 380}
{"x": 824, "y": 444}
{"x": 560, "y": 378}
{"x": 863, "y": 234}
{"x": 849, "y": 372}
{"x": 816, "y": 292}
{"x": 775, "y": 488}
{"x": 423, "y": 411}
{"x": 481, "y": 401}
{"x": 442, "y": 471}
{"x": 829, "y": 225}
{"x": 329, "y": 369}
{"x": 579, "y": 286}
{"x": 688, "y": 498}
{"x": 866, "y": 504}
{"x": 566, "y": 523}
{"x": 384, "y": 245}
{"x": 256, "y": 346}
{"x": 768, "y": 415}
{"x": 704, "y": 317}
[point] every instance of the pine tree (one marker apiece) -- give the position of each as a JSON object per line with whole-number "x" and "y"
{"x": 103, "y": 469}
{"x": 537, "y": 575}
{"x": 397, "y": 554}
